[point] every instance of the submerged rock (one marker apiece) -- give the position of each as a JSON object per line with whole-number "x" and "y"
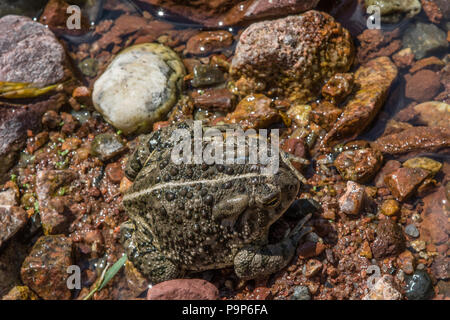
{"x": 433, "y": 114}
{"x": 394, "y": 11}
{"x": 139, "y": 87}
{"x": 424, "y": 39}
{"x": 389, "y": 241}
{"x": 24, "y": 47}
{"x": 374, "y": 81}
{"x": 404, "y": 181}
{"x": 422, "y": 86}
{"x": 12, "y": 219}
{"x": 21, "y": 7}
{"x": 292, "y": 57}
{"x": 424, "y": 163}
{"x": 359, "y": 165}
{"x": 45, "y": 268}
{"x": 418, "y": 286}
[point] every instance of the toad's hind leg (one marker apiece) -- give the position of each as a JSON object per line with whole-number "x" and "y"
{"x": 145, "y": 256}
{"x": 254, "y": 262}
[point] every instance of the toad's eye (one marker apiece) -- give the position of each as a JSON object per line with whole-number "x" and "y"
{"x": 272, "y": 201}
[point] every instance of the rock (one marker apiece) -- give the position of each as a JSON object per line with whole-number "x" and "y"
{"x": 106, "y": 146}
{"x": 389, "y": 167}
{"x": 20, "y": 293}
{"x": 384, "y": 289}
{"x": 183, "y": 289}
{"x": 229, "y": 12}
{"x": 208, "y": 42}
{"x": 45, "y": 268}
{"x": 114, "y": 172}
{"x": 15, "y": 120}
{"x": 214, "y": 99}
{"x": 422, "y": 86}
{"x": 433, "y": 114}
{"x": 444, "y": 6}
{"x": 430, "y": 63}
{"x": 374, "y": 81}
{"x": 424, "y": 163}
{"x": 55, "y": 17}
{"x": 21, "y": 7}
{"x": 441, "y": 267}
{"x": 359, "y": 165}
{"x": 88, "y": 67}
{"x": 404, "y": 58}
{"x": 338, "y": 87}
{"x": 285, "y": 57}
{"x": 424, "y": 39}
{"x": 352, "y": 202}
{"x": 432, "y": 11}
{"x": 416, "y": 139}
{"x": 139, "y": 87}
{"x": 253, "y": 112}
{"x": 205, "y": 75}
{"x": 435, "y": 227}
{"x": 404, "y": 181}
{"x": 412, "y": 231}
{"x": 24, "y": 45}
{"x": 377, "y": 43}
{"x": 312, "y": 268}
{"x": 394, "y": 11}
{"x": 8, "y": 198}
{"x": 418, "y": 286}
{"x": 325, "y": 114}
{"x": 135, "y": 280}
{"x": 389, "y": 240}
{"x": 300, "y": 293}
{"x": 12, "y": 219}
{"x": 12, "y": 255}
{"x": 406, "y": 262}
{"x": 54, "y": 211}
{"x": 390, "y": 207}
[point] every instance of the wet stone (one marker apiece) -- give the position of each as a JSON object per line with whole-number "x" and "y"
{"x": 300, "y": 293}
{"x": 394, "y": 11}
{"x": 89, "y": 67}
{"x": 12, "y": 219}
{"x": 20, "y": 293}
{"x": 424, "y": 39}
{"x": 209, "y": 41}
{"x": 390, "y": 208}
{"x": 205, "y": 75}
{"x": 406, "y": 262}
{"x": 384, "y": 289}
{"x": 359, "y": 165}
{"x": 441, "y": 267}
{"x": 418, "y": 286}
{"x": 412, "y": 231}
{"x": 405, "y": 181}
{"x": 389, "y": 240}
{"x": 433, "y": 114}
{"x": 338, "y": 87}
{"x": 106, "y": 146}
{"x": 45, "y": 268}
{"x": 422, "y": 86}
{"x": 424, "y": 163}
{"x": 352, "y": 202}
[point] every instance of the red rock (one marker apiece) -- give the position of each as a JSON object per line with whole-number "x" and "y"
{"x": 406, "y": 262}
{"x": 377, "y": 43}
{"x": 183, "y": 289}
{"x": 422, "y": 86}
{"x": 55, "y": 17}
{"x": 389, "y": 240}
{"x": 404, "y": 58}
{"x": 82, "y": 95}
{"x": 404, "y": 181}
{"x": 435, "y": 227}
{"x": 432, "y": 11}
{"x": 441, "y": 267}
{"x": 45, "y": 268}
{"x": 430, "y": 63}
{"x": 12, "y": 219}
{"x": 114, "y": 172}
{"x": 352, "y": 202}
{"x": 209, "y": 41}
{"x": 214, "y": 99}
{"x": 338, "y": 87}
{"x": 325, "y": 114}
{"x": 359, "y": 165}
{"x": 416, "y": 139}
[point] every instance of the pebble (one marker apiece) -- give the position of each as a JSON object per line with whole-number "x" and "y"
{"x": 205, "y": 75}
{"x": 12, "y": 219}
{"x": 422, "y": 86}
{"x": 394, "y": 11}
{"x": 312, "y": 268}
{"x": 301, "y": 293}
{"x": 390, "y": 207}
{"x": 418, "y": 286}
{"x": 433, "y": 114}
{"x": 359, "y": 165}
{"x": 352, "y": 202}
{"x": 423, "y": 39}
{"x": 384, "y": 289}
{"x": 139, "y": 87}
{"x": 404, "y": 181}
{"x": 209, "y": 41}
{"x": 389, "y": 239}
{"x": 183, "y": 289}
{"x": 114, "y": 172}
{"x": 412, "y": 231}
{"x": 406, "y": 262}
{"x": 106, "y": 146}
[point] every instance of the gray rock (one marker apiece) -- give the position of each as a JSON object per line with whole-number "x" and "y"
{"x": 423, "y": 39}
{"x": 412, "y": 231}
{"x": 29, "y": 52}
{"x": 301, "y": 293}
{"x": 418, "y": 286}
{"x": 106, "y": 146}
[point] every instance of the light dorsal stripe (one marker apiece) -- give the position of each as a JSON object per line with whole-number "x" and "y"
{"x": 137, "y": 194}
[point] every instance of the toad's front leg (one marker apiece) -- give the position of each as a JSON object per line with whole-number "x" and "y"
{"x": 255, "y": 261}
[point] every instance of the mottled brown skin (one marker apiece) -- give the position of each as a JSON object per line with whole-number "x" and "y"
{"x": 198, "y": 217}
